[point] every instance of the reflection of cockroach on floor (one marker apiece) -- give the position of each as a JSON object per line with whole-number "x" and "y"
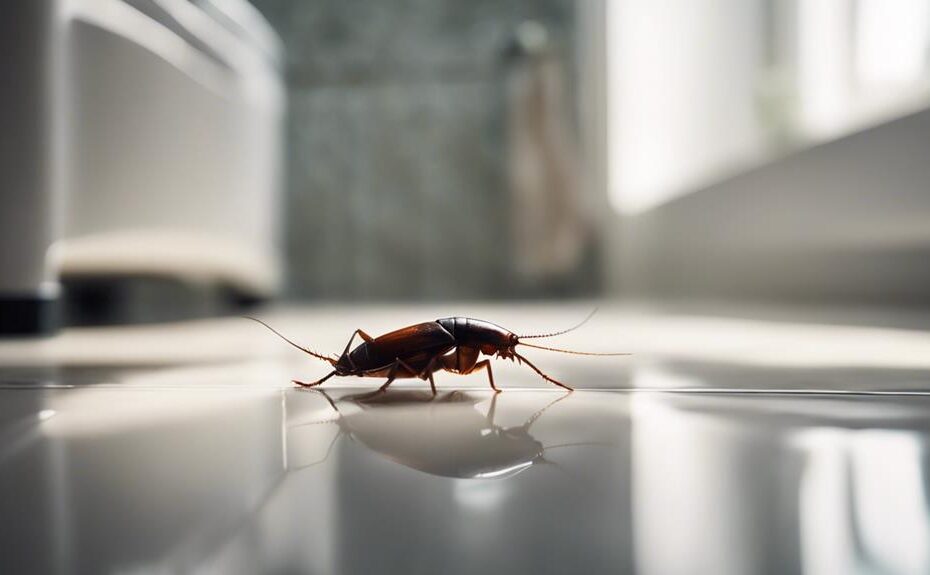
{"x": 468, "y": 444}
{"x": 450, "y": 344}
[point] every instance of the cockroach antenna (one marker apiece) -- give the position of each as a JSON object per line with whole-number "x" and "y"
{"x": 564, "y": 331}
{"x": 572, "y": 351}
{"x": 329, "y": 360}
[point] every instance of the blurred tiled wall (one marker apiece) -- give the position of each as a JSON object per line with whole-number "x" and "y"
{"x": 396, "y": 143}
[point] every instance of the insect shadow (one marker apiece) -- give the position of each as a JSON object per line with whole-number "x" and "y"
{"x": 444, "y": 435}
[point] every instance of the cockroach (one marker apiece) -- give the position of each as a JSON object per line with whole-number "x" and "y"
{"x": 451, "y": 344}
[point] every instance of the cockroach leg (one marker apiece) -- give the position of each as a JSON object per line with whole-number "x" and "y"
{"x": 398, "y": 362}
{"x": 404, "y": 365}
{"x": 544, "y": 376}
{"x": 486, "y": 365}
{"x": 390, "y": 379}
{"x": 430, "y": 369}
{"x": 315, "y": 383}
{"x": 345, "y": 352}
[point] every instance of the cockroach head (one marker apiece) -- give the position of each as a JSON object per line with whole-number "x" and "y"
{"x": 507, "y": 349}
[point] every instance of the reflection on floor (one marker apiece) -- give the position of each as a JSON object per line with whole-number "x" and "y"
{"x": 245, "y": 481}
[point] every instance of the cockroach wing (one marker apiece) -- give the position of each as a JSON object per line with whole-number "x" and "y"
{"x": 415, "y": 345}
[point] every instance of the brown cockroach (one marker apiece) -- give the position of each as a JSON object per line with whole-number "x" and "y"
{"x": 452, "y": 344}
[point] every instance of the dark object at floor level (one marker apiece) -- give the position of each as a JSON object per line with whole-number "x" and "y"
{"x": 115, "y": 301}
{"x": 28, "y": 315}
